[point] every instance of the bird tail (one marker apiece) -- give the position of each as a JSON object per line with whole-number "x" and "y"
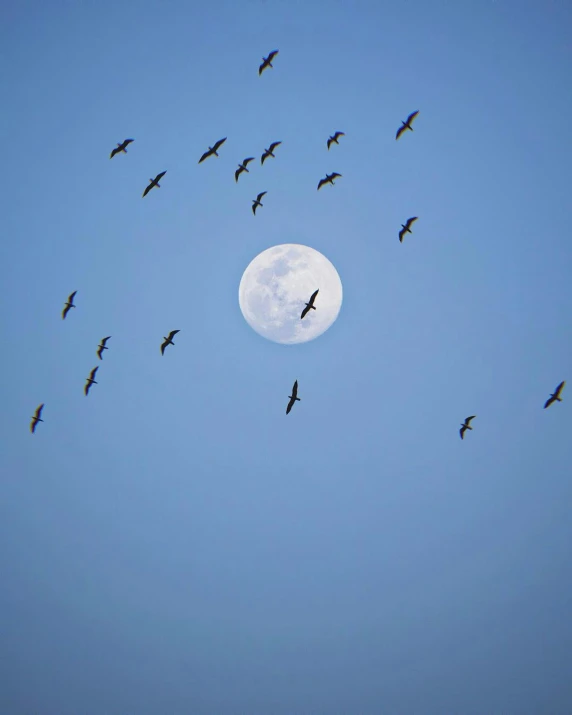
{"x": 559, "y": 399}
{"x": 297, "y": 398}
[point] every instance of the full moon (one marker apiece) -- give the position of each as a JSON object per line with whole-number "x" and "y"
{"x": 275, "y": 287}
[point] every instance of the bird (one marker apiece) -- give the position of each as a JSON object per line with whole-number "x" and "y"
{"x": 68, "y": 304}
{"x": 406, "y": 124}
{"x": 555, "y": 397}
{"x": 36, "y": 418}
{"x": 154, "y": 182}
{"x": 406, "y": 227}
{"x": 328, "y": 180}
{"x": 465, "y": 426}
{"x": 90, "y": 381}
{"x": 212, "y": 150}
{"x": 269, "y": 152}
{"x": 293, "y": 397}
{"x": 310, "y": 305}
{"x": 334, "y": 139}
{"x": 169, "y": 340}
{"x": 256, "y": 201}
{"x": 242, "y": 167}
{"x": 267, "y": 62}
{"x": 121, "y": 147}
{"x": 101, "y": 347}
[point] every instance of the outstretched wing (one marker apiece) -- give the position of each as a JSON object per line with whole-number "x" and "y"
{"x": 411, "y": 117}
{"x": 261, "y": 194}
{"x": 160, "y": 176}
{"x": 86, "y": 388}
{"x": 272, "y": 55}
{"x": 93, "y": 372}
{"x": 114, "y": 152}
{"x": 264, "y": 157}
{"x": 173, "y": 333}
{"x": 400, "y": 131}
{"x": 247, "y": 161}
{"x": 163, "y": 346}
{"x": 410, "y": 221}
{"x": 290, "y": 403}
{"x": 65, "y": 311}
{"x": 127, "y": 142}
{"x": 549, "y": 401}
{"x": 321, "y": 183}
{"x": 262, "y": 67}
{"x": 337, "y": 135}
{"x": 104, "y": 341}
{"x": 468, "y": 420}
{"x": 254, "y": 205}
{"x": 401, "y": 234}
{"x": 462, "y": 431}
{"x": 99, "y": 352}
{"x": 305, "y": 312}
{"x": 313, "y": 296}
{"x": 238, "y": 172}
{"x": 274, "y": 145}
{"x": 559, "y": 388}
{"x": 205, "y": 155}
{"x": 39, "y": 409}
{"x": 295, "y": 389}
{"x": 71, "y": 296}
{"x": 329, "y": 142}
{"x": 147, "y": 190}
{"x": 219, "y": 143}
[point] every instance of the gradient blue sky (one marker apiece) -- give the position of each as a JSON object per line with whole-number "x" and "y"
{"x": 174, "y": 543}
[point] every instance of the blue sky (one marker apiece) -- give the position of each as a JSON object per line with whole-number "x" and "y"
{"x": 174, "y": 543}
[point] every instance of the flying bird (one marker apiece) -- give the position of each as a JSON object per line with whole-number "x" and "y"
{"x": 213, "y": 150}
{"x": 154, "y": 182}
{"x": 36, "y": 418}
{"x": 465, "y": 426}
{"x": 68, "y": 304}
{"x": 269, "y": 152}
{"x": 256, "y": 201}
{"x": 267, "y": 62}
{"x": 406, "y": 124}
{"x": 328, "y": 180}
{"x": 406, "y": 227}
{"x": 555, "y": 397}
{"x": 334, "y": 139}
{"x": 293, "y": 397}
{"x": 90, "y": 381}
{"x": 242, "y": 167}
{"x": 310, "y": 305}
{"x": 101, "y": 347}
{"x": 121, "y": 147}
{"x": 169, "y": 340}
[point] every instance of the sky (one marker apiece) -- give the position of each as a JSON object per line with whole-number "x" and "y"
{"x": 174, "y": 543}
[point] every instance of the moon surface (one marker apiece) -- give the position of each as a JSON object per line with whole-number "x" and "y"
{"x": 275, "y": 287}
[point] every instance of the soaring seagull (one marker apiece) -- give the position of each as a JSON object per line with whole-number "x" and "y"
{"x": 36, "y": 418}
{"x": 267, "y": 61}
{"x": 555, "y": 396}
{"x": 121, "y": 147}
{"x": 406, "y": 124}
{"x": 293, "y": 397}
{"x": 334, "y": 139}
{"x": 269, "y": 152}
{"x": 465, "y": 426}
{"x": 406, "y": 227}
{"x": 212, "y": 150}
{"x": 256, "y": 202}
{"x": 154, "y": 182}
{"x": 169, "y": 340}
{"x": 101, "y": 347}
{"x": 242, "y": 167}
{"x": 90, "y": 381}
{"x": 328, "y": 180}
{"x": 68, "y": 304}
{"x": 310, "y": 305}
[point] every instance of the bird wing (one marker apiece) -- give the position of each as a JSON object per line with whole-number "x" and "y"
{"x": 65, "y": 311}
{"x": 335, "y": 175}
{"x": 254, "y": 205}
{"x": 163, "y": 346}
{"x": 410, "y": 222}
{"x": 71, "y": 296}
{"x": 92, "y": 373}
{"x": 264, "y": 157}
{"x": 401, "y": 234}
{"x": 339, "y": 134}
{"x": 39, "y": 409}
{"x": 205, "y": 155}
{"x": 468, "y": 420}
{"x": 160, "y": 176}
{"x": 262, "y": 67}
{"x": 400, "y": 131}
{"x": 173, "y": 333}
{"x": 247, "y": 161}
{"x": 272, "y": 55}
{"x": 219, "y": 143}
{"x": 321, "y": 183}
{"x": 411, "y": 117}
{"x": 260, "y": 195}
{"x": 238, "y": 172}
{"x": 330, "y": 140}
{"x": 147, "y": 190}
{"x": 104, "y": 341}
{"x": 86, "y": 388}
{"x": 127, "y": 142}
{"x": 549, "y": 401}
{"x": 295, "y": 389}
{"x": 33, "y": 424}
{"x": 274, "y": 145}
{"x": 290, "y": 403}
{"x": 99, "y": 352}
{"x": 305, "y": 312}
{"x": 462, "y": 431}
{"x": 313, "y": 296}
{"x": 559, "y": 388}
{"x": 114, "y": 152}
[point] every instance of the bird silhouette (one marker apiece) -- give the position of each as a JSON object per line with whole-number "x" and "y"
{"x": 406, "y": 124}
{"x": 269, "y": 152}
{"x": 212, "y": 150}
{"x": 36, "y": 418}
{"x": 154, "y": 182}
{"x": 242, "y": 167}
{"x": 310, "y": 305}
{"x": 465, "y": 426}
{"x": 68, "y": 304}
{"x": 334, "y": 139}
{"x": 90, "y": 381}
{"x": 101, "y": 347}
{"x": 267, "y": 62}
{"x": 328, "y": 180}
{"x": 121, "y": 147}
{"x": 293, "y": 397}
{"x": 555, "y": 396}
{"x": 169, "y": 340}
{"x": 256, "y": 202}
{"x": 406, "y": 227}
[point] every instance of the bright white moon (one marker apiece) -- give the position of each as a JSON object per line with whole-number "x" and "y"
{"x": 276, "y": 285}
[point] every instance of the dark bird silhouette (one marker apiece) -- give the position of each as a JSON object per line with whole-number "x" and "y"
{"x": 101, "y": 347}
{"x": 242, "y": 167}
{"x": 121, "y": 147}
{"x": 68, "y": 304}
{"x": 154, "y": 182}
{"x": 310, "y": 306}
{"x": 334, "y": 139}
{"x": 555, "y": 396}
{"x": 269, "y": 152}
{"x": 90, "y": 381}
{"x": 169, "y": 340}
{"x": 406, "y": 227}
{"x": 406, "y": 124}
{"x": 212, "y": 150}
{"x": 256, "y": 201}
{"x": 267, "y": 62}
{"x": 293, "y": 397}
{"x": 328, "y": 180}
{"x": 465, "y": 426}
{"x": 36, "y": 418}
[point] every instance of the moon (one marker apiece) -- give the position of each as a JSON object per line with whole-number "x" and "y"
{"x": 275, "y": 287}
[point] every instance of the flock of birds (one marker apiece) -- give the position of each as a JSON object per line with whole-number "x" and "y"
{"x": 257, "y": 202}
